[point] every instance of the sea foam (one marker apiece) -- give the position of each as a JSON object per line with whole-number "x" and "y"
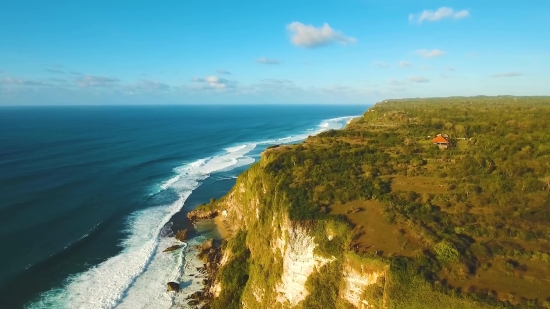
{"x": 137, "y": 277}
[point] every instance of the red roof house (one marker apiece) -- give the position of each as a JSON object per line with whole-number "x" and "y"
{"x": 442, "y": 141}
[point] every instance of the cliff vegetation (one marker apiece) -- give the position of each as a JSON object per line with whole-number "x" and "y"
{"x": 377, "y": 216}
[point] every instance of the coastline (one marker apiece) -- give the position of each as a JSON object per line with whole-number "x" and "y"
{"x": 202, "y": 259}
{"x": 142, "y": 269}
{"x": 205, "y": 257}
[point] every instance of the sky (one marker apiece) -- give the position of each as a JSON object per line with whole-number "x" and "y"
{"x": 269, "y": 52}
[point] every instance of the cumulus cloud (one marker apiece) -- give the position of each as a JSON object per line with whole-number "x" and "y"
{"x": 380, "y": 64}
{"x": 405, "y": 64}
{"x": 224, "y": 72}
{"x": 265, "y": 60}
{"x": 429, "y": 53}
{"x": 507, "y": 74}
{"x": 22, "y": 82}
{"x": 55, "y": 71}
{"x": 417, "y": 79}
{"x": 437, "y": 15}
{"x": 309, "y": 36}
{"x": 90, "y": 81}
{"x": 213, "y": 83}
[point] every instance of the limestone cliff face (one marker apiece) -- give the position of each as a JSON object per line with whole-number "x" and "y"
{"x": 284, "y": 254}
{"x": 299, "y": 262}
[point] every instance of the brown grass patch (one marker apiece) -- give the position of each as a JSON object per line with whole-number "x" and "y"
{"x": 529, "y": 280}
{"x": 373, "y": 233}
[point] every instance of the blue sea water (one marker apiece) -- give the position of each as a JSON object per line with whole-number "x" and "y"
{"x": 90, "y": 195}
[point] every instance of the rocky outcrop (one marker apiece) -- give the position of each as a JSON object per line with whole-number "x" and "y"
{"x": 199, "y": 214}
{"x": 181, "y": 235}
{"x": 173, "y": 287}
{"x": 211, "y": 255}
{"x": 172, "y": 248}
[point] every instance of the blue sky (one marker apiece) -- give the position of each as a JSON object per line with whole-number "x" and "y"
{"x": 222, "y": 52}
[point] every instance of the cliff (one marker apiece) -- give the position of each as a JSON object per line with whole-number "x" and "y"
{"x": 335, "y": 223}
{"x": 289, "y": 259}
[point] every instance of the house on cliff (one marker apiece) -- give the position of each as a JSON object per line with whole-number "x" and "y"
{"x": 442, "y": 141}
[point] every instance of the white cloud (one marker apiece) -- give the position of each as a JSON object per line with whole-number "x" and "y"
{"x": 214, "y": 83}
{"x": 405, "y": 64}
{"x": 309, "y": 36}
{"x": 224, "y": 72}
{"x": 417, "y": 79}
{"x": 265, "y": 60}
{"x": 507, "y": 74}
{"x": 90, "y": 81}
{"x": 439, "y": 14}
{"x": 429, "y": 53}
{"x": 380, "y": 64}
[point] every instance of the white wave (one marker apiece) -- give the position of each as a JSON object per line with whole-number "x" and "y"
{"x": 236, "y": 148}
{"x": 165, "y": 185}
{"x": 137, "y": 277}
{"x": 325, "y": 125}
{"x": 132, "y": 274}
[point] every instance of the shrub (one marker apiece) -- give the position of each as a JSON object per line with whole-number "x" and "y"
{"x": 446, "y": 253}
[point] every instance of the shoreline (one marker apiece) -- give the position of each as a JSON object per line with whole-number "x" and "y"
{"x": 204, "y": 258}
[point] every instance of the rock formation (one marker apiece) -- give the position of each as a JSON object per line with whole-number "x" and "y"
{"x": 181, "y": 235}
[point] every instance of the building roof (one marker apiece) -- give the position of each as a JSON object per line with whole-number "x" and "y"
{"x": 440, "y": 139}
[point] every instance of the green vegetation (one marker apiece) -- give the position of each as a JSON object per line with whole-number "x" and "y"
{"x": 466, "y": 227}
{"x": 234, "y": 274}
{"x": 323, "y": 286}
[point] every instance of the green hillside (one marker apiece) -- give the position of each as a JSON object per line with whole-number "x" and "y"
{"x": 463, "y": 227}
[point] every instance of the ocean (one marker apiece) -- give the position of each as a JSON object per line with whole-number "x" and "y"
{"x": 90, "y": 196}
